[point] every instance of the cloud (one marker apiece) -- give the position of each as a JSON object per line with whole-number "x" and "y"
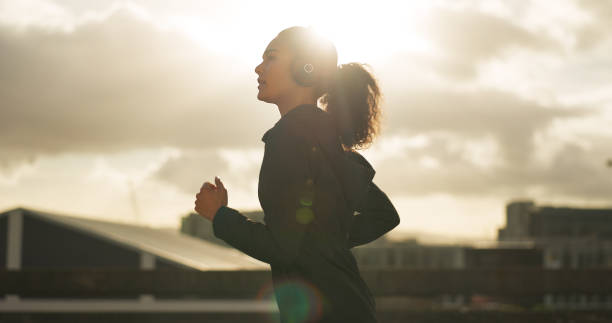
{"x": 190, "y": 170}
{"x": 115, "y": 83}
{"x": 511, "y": 120}
{"x": 598, "y": 30}
{"x": 119, "y": 82}
{"x": 28, "y": 12}
{"x": 466, "y": 38}
{"x": 492, "y": 143}
{"x": 14, "y": 168}
{"x": 574, "y": 172}
{"x": 237, "y": 168}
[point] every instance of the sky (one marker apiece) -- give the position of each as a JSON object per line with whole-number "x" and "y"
{"x": 120, "y": 110}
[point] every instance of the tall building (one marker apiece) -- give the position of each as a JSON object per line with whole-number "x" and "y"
{"x": 526, "y": 221}
{"x": 570, "y": 237}
{"x": 518, "y": 215}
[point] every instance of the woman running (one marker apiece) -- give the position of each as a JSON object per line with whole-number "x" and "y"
{"x": 315, "y": 190}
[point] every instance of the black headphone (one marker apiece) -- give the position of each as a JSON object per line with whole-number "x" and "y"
{"x": 303, "y": 71}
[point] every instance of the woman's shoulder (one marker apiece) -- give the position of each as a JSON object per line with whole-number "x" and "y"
{"x": 356, "y": 156}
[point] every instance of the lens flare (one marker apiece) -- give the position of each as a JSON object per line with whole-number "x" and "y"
{"x": 298, "y": 300}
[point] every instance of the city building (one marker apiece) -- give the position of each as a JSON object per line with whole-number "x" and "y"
{"x": 569, "y": 237}
{"x": 38, "y": 239}
{"x": 380, "y": 253}
{"x": 501, "y": 257}
{"x": 383, "y": 253}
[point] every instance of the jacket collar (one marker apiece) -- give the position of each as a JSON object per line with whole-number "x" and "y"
{"x": 294, "y": 113}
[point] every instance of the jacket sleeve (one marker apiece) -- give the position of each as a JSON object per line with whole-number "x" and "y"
{"x": 377, "y": 217}
{"x": 279, "y": 239}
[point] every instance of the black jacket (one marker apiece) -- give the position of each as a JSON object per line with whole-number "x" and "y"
{"x": 309, "y": 190}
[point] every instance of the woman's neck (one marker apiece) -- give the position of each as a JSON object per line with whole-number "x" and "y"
{"x": 294, "y": 101}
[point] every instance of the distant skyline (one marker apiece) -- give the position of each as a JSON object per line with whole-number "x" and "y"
{"x": 114, "y": 106}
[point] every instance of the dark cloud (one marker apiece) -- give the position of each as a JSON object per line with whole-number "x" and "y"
{"x": 189, "y": 171}
{"x": 454, "y": 119}
{"x": 598, "y": 29}
{"x": 507, "y": 117}
{"x": 117, "y": 84}
{"x": 466, "y": 38}
{"x": 12, "y": 159}
{"x": 574, "y": 171}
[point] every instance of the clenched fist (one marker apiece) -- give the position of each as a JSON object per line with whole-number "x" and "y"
{"x": 210, "y": 199}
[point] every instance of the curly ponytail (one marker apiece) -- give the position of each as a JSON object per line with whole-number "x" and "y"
{"x": 353, "y": 100}
{"x": 349, "y": 92}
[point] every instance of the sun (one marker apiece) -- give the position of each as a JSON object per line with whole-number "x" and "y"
{"x": 361, "y": 31}
{"x": 365, "y": 32}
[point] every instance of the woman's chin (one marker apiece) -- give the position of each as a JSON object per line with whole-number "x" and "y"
{"x": 262, "y": 97}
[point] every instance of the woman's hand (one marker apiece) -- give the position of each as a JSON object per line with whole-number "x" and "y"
{"x": 210, "y": 199}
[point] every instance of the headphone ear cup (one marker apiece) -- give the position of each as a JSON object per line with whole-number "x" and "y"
{"x": 303, "y": 72}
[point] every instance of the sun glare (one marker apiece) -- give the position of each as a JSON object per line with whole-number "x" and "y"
{"x": 364, "y": 32}
{"x": 361, "y": 31}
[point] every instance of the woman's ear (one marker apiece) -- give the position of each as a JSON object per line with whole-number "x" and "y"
{"x": 303, "y": 71}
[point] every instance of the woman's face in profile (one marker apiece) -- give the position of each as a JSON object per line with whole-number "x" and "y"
{"x": 274, "y": 75}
